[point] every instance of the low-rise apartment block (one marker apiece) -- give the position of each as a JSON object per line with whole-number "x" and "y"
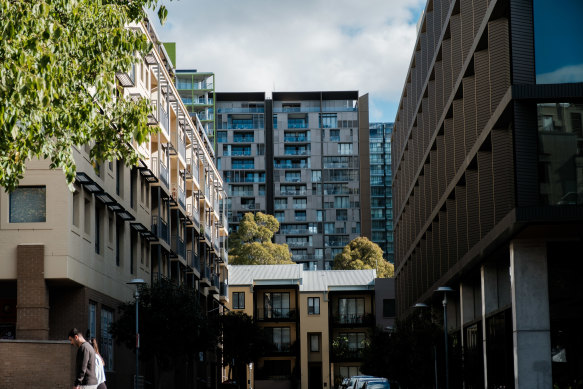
{"x": 66, "y": 257}
{"x": 318, "y": 321}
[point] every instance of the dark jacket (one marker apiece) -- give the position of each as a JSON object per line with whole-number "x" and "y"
{"x": 85, "y": 371}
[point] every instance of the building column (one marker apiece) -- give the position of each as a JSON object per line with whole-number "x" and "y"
{"x": 489, "y": 283}
{"x": 530, "y": 315}
{"x": 32, "y": 296}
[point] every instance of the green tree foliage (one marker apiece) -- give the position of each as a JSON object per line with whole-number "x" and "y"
{"x": 173, "y": 327}
{"x": 362, "y": 254}
{"x": 243, "y": 342}
{"x": 252, "y": 245}
{"x": 58, "y": 88}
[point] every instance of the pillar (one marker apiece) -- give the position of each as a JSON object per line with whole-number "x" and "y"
{"x": 32, "y": 296}
{"x": 530, "y": 315}
{"x": 489, "y": 284}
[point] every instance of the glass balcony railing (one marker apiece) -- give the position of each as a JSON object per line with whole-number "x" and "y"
{"x": 296, "y": 151}
{"x": 277, "y": 314}
{"x": 164, "y": 120}
{"x": 240, "y": 110}
{"x": 291, "y": 165}
{"x": 243, "y": 139}
{"x": 160, "y": 228}
{"x": 164, "y": 174}
{"x": 192, "y": 259}
{"x": 296, "y": 138}
{"x": 224, "y": 290}
{"x": 293, "y": 192}
{"x": 181, "y": 198}
{"x": 178, "y": 246}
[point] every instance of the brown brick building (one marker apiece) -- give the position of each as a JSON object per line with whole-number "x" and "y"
{"x": 488, "y": 186}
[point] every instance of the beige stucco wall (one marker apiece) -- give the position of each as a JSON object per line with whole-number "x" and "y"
{"x": 310, "y": 324}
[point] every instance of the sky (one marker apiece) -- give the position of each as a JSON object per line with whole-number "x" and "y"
{"x": 298, "y": 45}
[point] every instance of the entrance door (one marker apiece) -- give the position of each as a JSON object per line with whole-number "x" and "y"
{"x": 315, "y": 376}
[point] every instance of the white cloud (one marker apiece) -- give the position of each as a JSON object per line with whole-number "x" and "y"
{"x": 254, "y": 45}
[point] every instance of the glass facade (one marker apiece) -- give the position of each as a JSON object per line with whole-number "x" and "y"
{"x": 558, "y": 38}
{"x": 381, "y": 181}
{"x": 560, "y": 153}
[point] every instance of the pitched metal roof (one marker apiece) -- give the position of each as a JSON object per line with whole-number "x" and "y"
{"x": 309, "y": 280}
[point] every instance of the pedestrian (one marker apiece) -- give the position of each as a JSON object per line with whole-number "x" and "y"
{"x": 85, "y": 377}
{"x": 99, "y": 366}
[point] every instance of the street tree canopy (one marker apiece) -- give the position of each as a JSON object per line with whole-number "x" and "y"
{"x": 58, "y": 88}
{"x": 362, "y": 254}
{"x": 251, "y": 244}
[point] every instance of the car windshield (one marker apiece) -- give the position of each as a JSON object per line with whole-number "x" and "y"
{"x": 377, "y": 385}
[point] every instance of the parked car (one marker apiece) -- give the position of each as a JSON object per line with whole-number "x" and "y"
{"x": 344, "y": 383}
{"x": 362, "y": 381}
{"x": 354, "y": 378}
{"x": 376, "y": 384}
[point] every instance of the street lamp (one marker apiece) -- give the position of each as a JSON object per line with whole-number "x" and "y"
{"x": 445, "y": 289}
{"x": 137, "y": 282}
{"x": 423, "y": 305}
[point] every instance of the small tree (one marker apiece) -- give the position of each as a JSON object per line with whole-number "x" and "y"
{"x": 172, "y": 326}
{"x": 252, "y": 245}
{"x": 243, "y": 342}
{"x": 58, "y": 89}
{"x": 362, "y": 254}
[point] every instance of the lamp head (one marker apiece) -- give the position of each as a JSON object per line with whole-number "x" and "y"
{"x": 444, "y": 289}
{"x": 420, "y": 305}
{"x": 136, "y": 281}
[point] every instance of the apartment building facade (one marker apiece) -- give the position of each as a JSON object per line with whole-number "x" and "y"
{"x": 67, "y": 256}
{"x": 381, "y": 195}
{"x": 302, "y": 157}
{"x": 318, "y": 322}
{"x": 488, "y": 187}
{"x": 196, "y": 90}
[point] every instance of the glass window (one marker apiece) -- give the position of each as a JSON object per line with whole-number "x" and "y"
{"x": 238, "y": 300}
{"x": 314, "y": 343}
{"x": 356, "y": 340}
{"x": 558, "y": 38}
{"x": 276, "y": 305}
{"x": 280, "y": 337}
{"x": 280, "y": 216}
{"x": 560, "y": 158}
{"x": 328, "y": 228}
{"x": 350, "y": 310}
{"x": 334, "y": 135}
{"x": 92, "y": 319}
{"x": 106, "y": 348}
{"x": 341, "y": 214}
{"x": 300, "y": 216}
{"x": 300, "y": 203}
{"x": 221, "y": 136}
{"x": 328, "y": 120}
{"x": 313, "y": 305}
{"x": 28, "y": 204}
{"x": 345, "y": 148}
{"x": 316, "y": 176}
{"x": 388, "y": 307}
{"x": 280, "y": 203}
{"x": 319, "y": 215}
{"x": 341, "y": 202}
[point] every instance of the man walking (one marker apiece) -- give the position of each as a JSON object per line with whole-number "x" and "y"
{"x": 85, "y": 377}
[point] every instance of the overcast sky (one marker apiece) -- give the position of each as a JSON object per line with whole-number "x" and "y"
{"x": 298, "y": 45}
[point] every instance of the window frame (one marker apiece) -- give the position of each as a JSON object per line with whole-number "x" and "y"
{"x": 313, "y": 303}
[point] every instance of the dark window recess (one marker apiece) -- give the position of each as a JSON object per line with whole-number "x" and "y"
{"x": 388, "y": 307}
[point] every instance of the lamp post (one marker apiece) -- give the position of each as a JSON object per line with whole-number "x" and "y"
{"x": 137, "y": 282}
{"x": 445, "y": 289}
{"x": 423, "y": 305}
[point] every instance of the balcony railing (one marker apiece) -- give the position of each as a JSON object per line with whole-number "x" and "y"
{"x": 181, "y": 198}
{"x": 296, "y": 152}
{"x": 297, "y": 138}
{"x": 163, "y": 117}
{"x": 215, "y": 280}
{"x": 193, "y": 213}
{"x": 298, "y": 243}
{"x": 294, "y": 231}
{"x": 242, "y": 193}
{"x": 207, "y": 233}
{"x": 224, "y": 290}
{"x": 181, "y": 147}
{"x": 366, "y": 319}
{"x": 277, "y": 314}
{"x": 241, "y": 110}
{"x": 244, "y": 139}
{"x": 161, "y": 169}
{"x": 250, "y": 206}
{"x": 207, "y": 272}
{"x": 293, "y": 192}
{"x": 290, "y": 165}
{"x": 192, "y": 259}
{"x": 178, "y": 246}
{"x": 160, "y": 228}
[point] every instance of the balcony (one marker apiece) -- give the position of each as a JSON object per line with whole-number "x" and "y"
{"x": 250, "y": 206}
{"x": 296, "y": 138}
{"x": 193, "y": 213}
{"x": 181, "y": 147}
{"x": 178, "y": 246}
{"x": 207, "y": 233}
{"x": 298, "y": 243}
{"x": 163, "y": 118}
{"x": 353, "y": 320}
{"x": 243, "y": 139}
{"x": 224, "y": 290}
{"x": 179, "y": 196}
{"x": 276, "y": 314}
{"x": 290, "y": 165}
{"x": 192, "y": 259}
{"x": 293, "y": 192}
{"x": 161, "y": 169}
{"x": 241, "y": 110}
{"x": 160, "y": 228}
{"x": 294, "y": 231}
{"x": 292, "y": 151}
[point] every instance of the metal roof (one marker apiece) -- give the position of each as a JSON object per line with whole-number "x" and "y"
{"x": 309, "y": 280}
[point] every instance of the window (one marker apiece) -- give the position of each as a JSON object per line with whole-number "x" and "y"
{"x": 119, "y": 178}
{"x": 238, "y": 300}
{"x": 328, "y": 228}
{"x": 350, "y": 310}
{"x": 313, "y": 305}
{"x": 280, "y": 216}
{"x": 106, "y": 348}
{"x": 328, "y": 120}
{"x": 345, "y": 148}
{"x": 349, "y": 371}
{"x": 261, "y": 149}
{"x": 87, "y": 216}
{"x": 316, "y": 175}
{"x": 341, "y": 202}
{"x": 28, "y": 204}
{"x": 76, "y": 197}
{"x": 280, "y": 203}
{"x": 218, "y": 163}
{"x": 341, "y": 214}
{"x": 300, "y": 203}
{"x": 92, "y": 319}
{"x": 98, "y": 227}
{"x": 388, "y": 307}
{"x": 275, "y": 121}
{"x": 300, "y": 216}
{"x": 221, "y": 136}
{"x": 280, "y": 337}
{"x": 133, "y": 187}
{"x": 119, "y": 231}
{"x": 356, "y": 340}
{"x": 276, "y": 305}
{"x": 314, "y": 343}
{"x": 334, "y": 135}
{"x": 319, "y": 215}
{"x": 293, "y": 176}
